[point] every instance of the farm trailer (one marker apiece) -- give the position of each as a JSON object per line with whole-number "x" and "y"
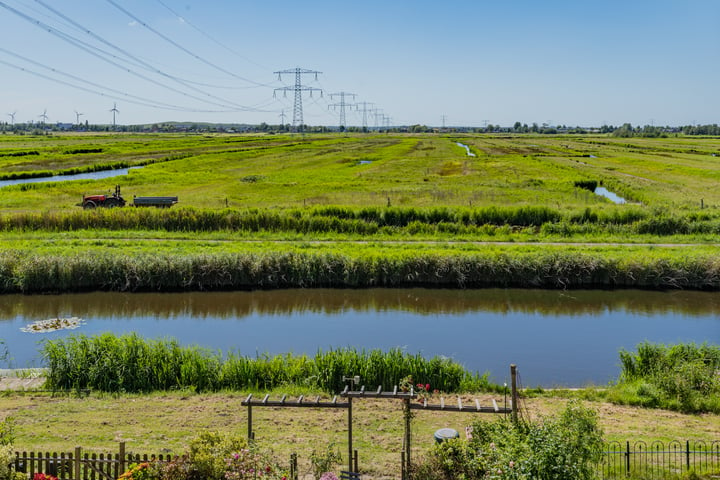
{"x": 116, "y": 200}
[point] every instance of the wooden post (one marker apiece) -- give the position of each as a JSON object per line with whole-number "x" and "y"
{"x": 250, "y": 435}
{"x": 122, "y": 458}
{"x": 514, "y": 392}
{"x": 408, "y": 414}
{"x": 350, "y": 436}
{"x": 78, "y": 452}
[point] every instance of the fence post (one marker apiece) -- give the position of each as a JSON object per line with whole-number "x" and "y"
{"x": 627, "y": 458}
{"x": 293, "y": 460}
{"x": 356, "y": 462}
{"x": 350, "y": 434}
{"x": 402, "y": 463}
{"x": 687, "y": 454}
{"x": 250, "y": 435}
{"x": 78, "y": 452}
{"x": 514, "y": 392}
{"x": 121, "y": 465}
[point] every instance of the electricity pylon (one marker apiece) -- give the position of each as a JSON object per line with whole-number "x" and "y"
{"x": 377, "y": 113}
{"x": 298, "y": 88}
{"x": 114, "y": 110}
{"x": 364, "y": 111}
{"x": 77, "y": 117}
{"x": 44, "y": 116}
{"x": 342, "y": 105}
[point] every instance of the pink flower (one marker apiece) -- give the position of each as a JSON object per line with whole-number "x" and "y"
{"x": 512, "y": 464}
{"x": 427, "y": 387}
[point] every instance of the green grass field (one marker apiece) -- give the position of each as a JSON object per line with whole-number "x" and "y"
{"x": 374, "y": 196}
{"x": 369, "y": 170}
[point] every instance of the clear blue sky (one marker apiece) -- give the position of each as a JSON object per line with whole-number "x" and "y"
{"x": 572, "y": 62}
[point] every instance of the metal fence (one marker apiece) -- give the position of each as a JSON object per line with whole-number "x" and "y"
{"x": 657, "y": 460}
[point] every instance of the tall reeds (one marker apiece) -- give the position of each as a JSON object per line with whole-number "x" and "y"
{"x": 130, "y": 363}
{"x": 362, "y": 221}
{"x": 356, "y": 268}
{"x": 681, "y": 377}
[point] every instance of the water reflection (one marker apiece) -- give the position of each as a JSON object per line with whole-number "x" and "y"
{"x": 329, "y": 301}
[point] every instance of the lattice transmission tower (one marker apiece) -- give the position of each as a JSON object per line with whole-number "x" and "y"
{"x": 342, "y": 105}
{"x": 363, "y": 107}
{"x": 298, "y": 89}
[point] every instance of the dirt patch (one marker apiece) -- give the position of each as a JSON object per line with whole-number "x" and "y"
{"x": 14, "y": 383}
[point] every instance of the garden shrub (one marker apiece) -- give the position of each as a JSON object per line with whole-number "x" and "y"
{"x": 555, "y": 448}
{"x": 209, "y": 453}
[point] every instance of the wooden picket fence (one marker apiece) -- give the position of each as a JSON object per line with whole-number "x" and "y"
{"x": 81, "y": 466}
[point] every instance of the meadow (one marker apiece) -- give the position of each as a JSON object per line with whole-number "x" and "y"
{"x": 352, "y": 210}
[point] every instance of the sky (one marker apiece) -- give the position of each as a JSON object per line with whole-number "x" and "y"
{"x": 452, "y": 63}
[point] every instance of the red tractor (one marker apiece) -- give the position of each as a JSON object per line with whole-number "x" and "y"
{"x": 108, "y": 201}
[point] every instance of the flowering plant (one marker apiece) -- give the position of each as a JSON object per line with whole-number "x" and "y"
{"x": 246, "y": 465}
{"x": 43, "y": 476}
{"x": 139, "y": 471}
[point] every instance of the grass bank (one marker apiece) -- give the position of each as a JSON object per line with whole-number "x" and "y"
{"x": 164, "y": 423}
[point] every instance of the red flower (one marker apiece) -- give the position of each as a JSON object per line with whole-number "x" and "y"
{"x": 427, "y": 387}
{"x": 419, "y": 386}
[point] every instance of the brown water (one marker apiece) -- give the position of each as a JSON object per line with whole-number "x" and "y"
{"x": 556, "y": 338}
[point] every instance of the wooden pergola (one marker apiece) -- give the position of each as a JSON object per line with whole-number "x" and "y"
{"x": 396, "y": 394}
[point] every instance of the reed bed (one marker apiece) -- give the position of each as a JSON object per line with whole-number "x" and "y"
{"x": 370, "y": 220}
{"x": 683, "y": 377}
{"x": 130, "y": 363}
{"x": 353, "y": 266}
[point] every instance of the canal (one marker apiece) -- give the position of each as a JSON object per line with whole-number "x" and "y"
{"x": 557, "y": 338}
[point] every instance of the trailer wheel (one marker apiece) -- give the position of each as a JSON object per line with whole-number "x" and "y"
{"x": 89, "y": 205}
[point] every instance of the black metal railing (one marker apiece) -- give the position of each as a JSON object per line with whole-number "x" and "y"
{"x": 657, "y": 460}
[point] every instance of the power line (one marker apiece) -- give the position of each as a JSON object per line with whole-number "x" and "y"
{"x": 120, "y": 94}
{"x": 138, "y": 61}
{"x": 88, "y": 48}
{"x": 177, "y": 45}
{"x": 102, "y": 94}
{"x": 298, "y": 88}
{"x": 134, "y": 59}
{"x": 210, "y": 37}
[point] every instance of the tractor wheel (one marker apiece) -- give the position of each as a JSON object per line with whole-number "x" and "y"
{"x": 112, "y": 203}
{"x": 89, "y": 205}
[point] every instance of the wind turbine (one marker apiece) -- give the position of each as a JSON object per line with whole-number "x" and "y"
{"x": 44, "y": 116}
{"x": 12, "y": 117}
{"x": 77, "y": 117}
{"x": 114, "y": 110}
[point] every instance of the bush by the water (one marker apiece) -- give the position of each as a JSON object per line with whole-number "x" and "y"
{"x": 682, "y": 377}
{"x": 130, "y": 363}
{"x": 555, "y": 448}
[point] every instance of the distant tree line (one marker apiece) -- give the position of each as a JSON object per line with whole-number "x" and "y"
{"x": 624, "y": 131}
